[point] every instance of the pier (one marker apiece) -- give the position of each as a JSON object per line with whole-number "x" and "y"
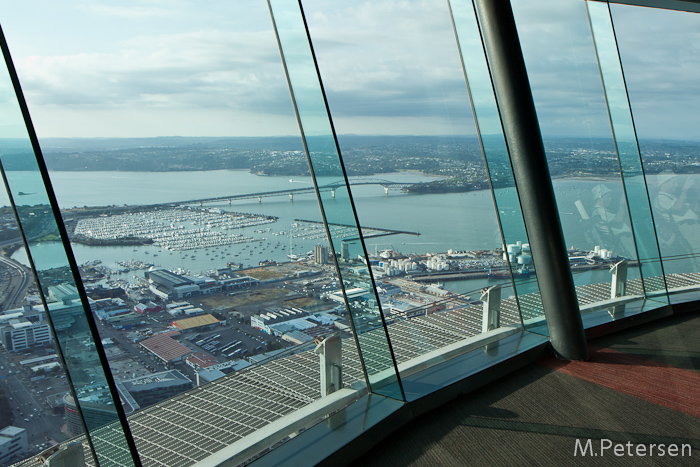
{"x": 373, "y": 232}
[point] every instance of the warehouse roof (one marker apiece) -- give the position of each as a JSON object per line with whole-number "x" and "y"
{"x": 195, "y": 322}
{"x": 165, "y": 347}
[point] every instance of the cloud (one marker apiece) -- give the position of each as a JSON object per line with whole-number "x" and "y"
{"x": 393, "y": 59}
{"x": 661, "y": 63}
{"x": 192, "y": 71}
{"x": 168, "y": 60}
{"x": 129, "y": 12}
{"x": 562, "y": 68}
{"x": 659, "y": 51}
{"x": 388, "y": 66}
{"x": 186, "y": 69}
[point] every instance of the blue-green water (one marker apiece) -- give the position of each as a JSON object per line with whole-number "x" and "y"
{"x": 459, "y": 221}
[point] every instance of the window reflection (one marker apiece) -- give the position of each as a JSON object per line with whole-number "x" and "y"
{"x": 599, "y": 225}
{"x": 447, "y": 245}
{"x": 203, "y": 253}
{"x": 664, "y": 101}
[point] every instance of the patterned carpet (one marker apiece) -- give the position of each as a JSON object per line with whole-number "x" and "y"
{"x": 637, "y": 400}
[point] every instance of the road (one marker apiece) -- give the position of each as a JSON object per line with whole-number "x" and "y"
{"x": 19, "y": 283}
{"x": 29, "y": 404}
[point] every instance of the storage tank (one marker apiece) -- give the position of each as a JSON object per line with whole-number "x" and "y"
{"x": 524, "y": 259}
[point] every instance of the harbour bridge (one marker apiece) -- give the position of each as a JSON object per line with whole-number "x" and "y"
{"x": 330, "y": 187}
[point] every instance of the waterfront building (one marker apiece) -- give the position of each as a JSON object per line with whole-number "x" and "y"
{"x": 344, "y": 251}
{"x": 354, "y": 294}
{"x": 194, "y": 311}
{"x": 297, "y": 337}
{"x": 321, "y": 254}
{"x": 109, "y": 306}
{"x": 170, "y": 285}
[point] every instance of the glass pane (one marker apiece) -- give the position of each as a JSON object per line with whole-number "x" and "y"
{"x": 167, "y": 135}
{"x": 401, "y": 111}
{"x": 336, "y": 203}
{"x": 664, "y": 98}
{"x": 34, "y": 385}
{"x": 93, "y": 402}
{"x": 571, "y": 108}
{"x": 498, "y": 164}
{"x": 627, "y": 148}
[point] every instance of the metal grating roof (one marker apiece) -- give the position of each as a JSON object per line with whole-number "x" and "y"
{"x": 194, "y": 425}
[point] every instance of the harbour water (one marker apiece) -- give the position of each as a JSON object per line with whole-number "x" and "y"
{"x": 458, "y": 221}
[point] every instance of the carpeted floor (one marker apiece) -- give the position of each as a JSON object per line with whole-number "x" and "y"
{"x": 639, "y": 394}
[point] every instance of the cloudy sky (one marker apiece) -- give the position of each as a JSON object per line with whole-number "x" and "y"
{"x": 174, "y": 67}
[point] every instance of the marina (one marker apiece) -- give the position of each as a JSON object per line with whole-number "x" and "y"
{"x": 472, "y": 224}
{"x": 172, "y": 229}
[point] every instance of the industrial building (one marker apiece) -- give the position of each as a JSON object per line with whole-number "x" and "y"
{"x": 124, "y": 320}
{"x": 166, "y": 348}
{"x": 169, "y": 285}
{"x": 353, "y": 294}
{"x": 239, "y": 282}
{"x": 149, "y": 307}
{"x": 151, "y": 389}
{"x": 199, "y": 360}
{"x": 198, "y": 320}
{"x": 264, "y": 321}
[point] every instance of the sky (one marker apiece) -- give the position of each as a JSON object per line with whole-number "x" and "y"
{"x": 138, "y": 68}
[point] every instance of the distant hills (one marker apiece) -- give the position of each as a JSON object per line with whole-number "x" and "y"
{"x": 448, "y": 156}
